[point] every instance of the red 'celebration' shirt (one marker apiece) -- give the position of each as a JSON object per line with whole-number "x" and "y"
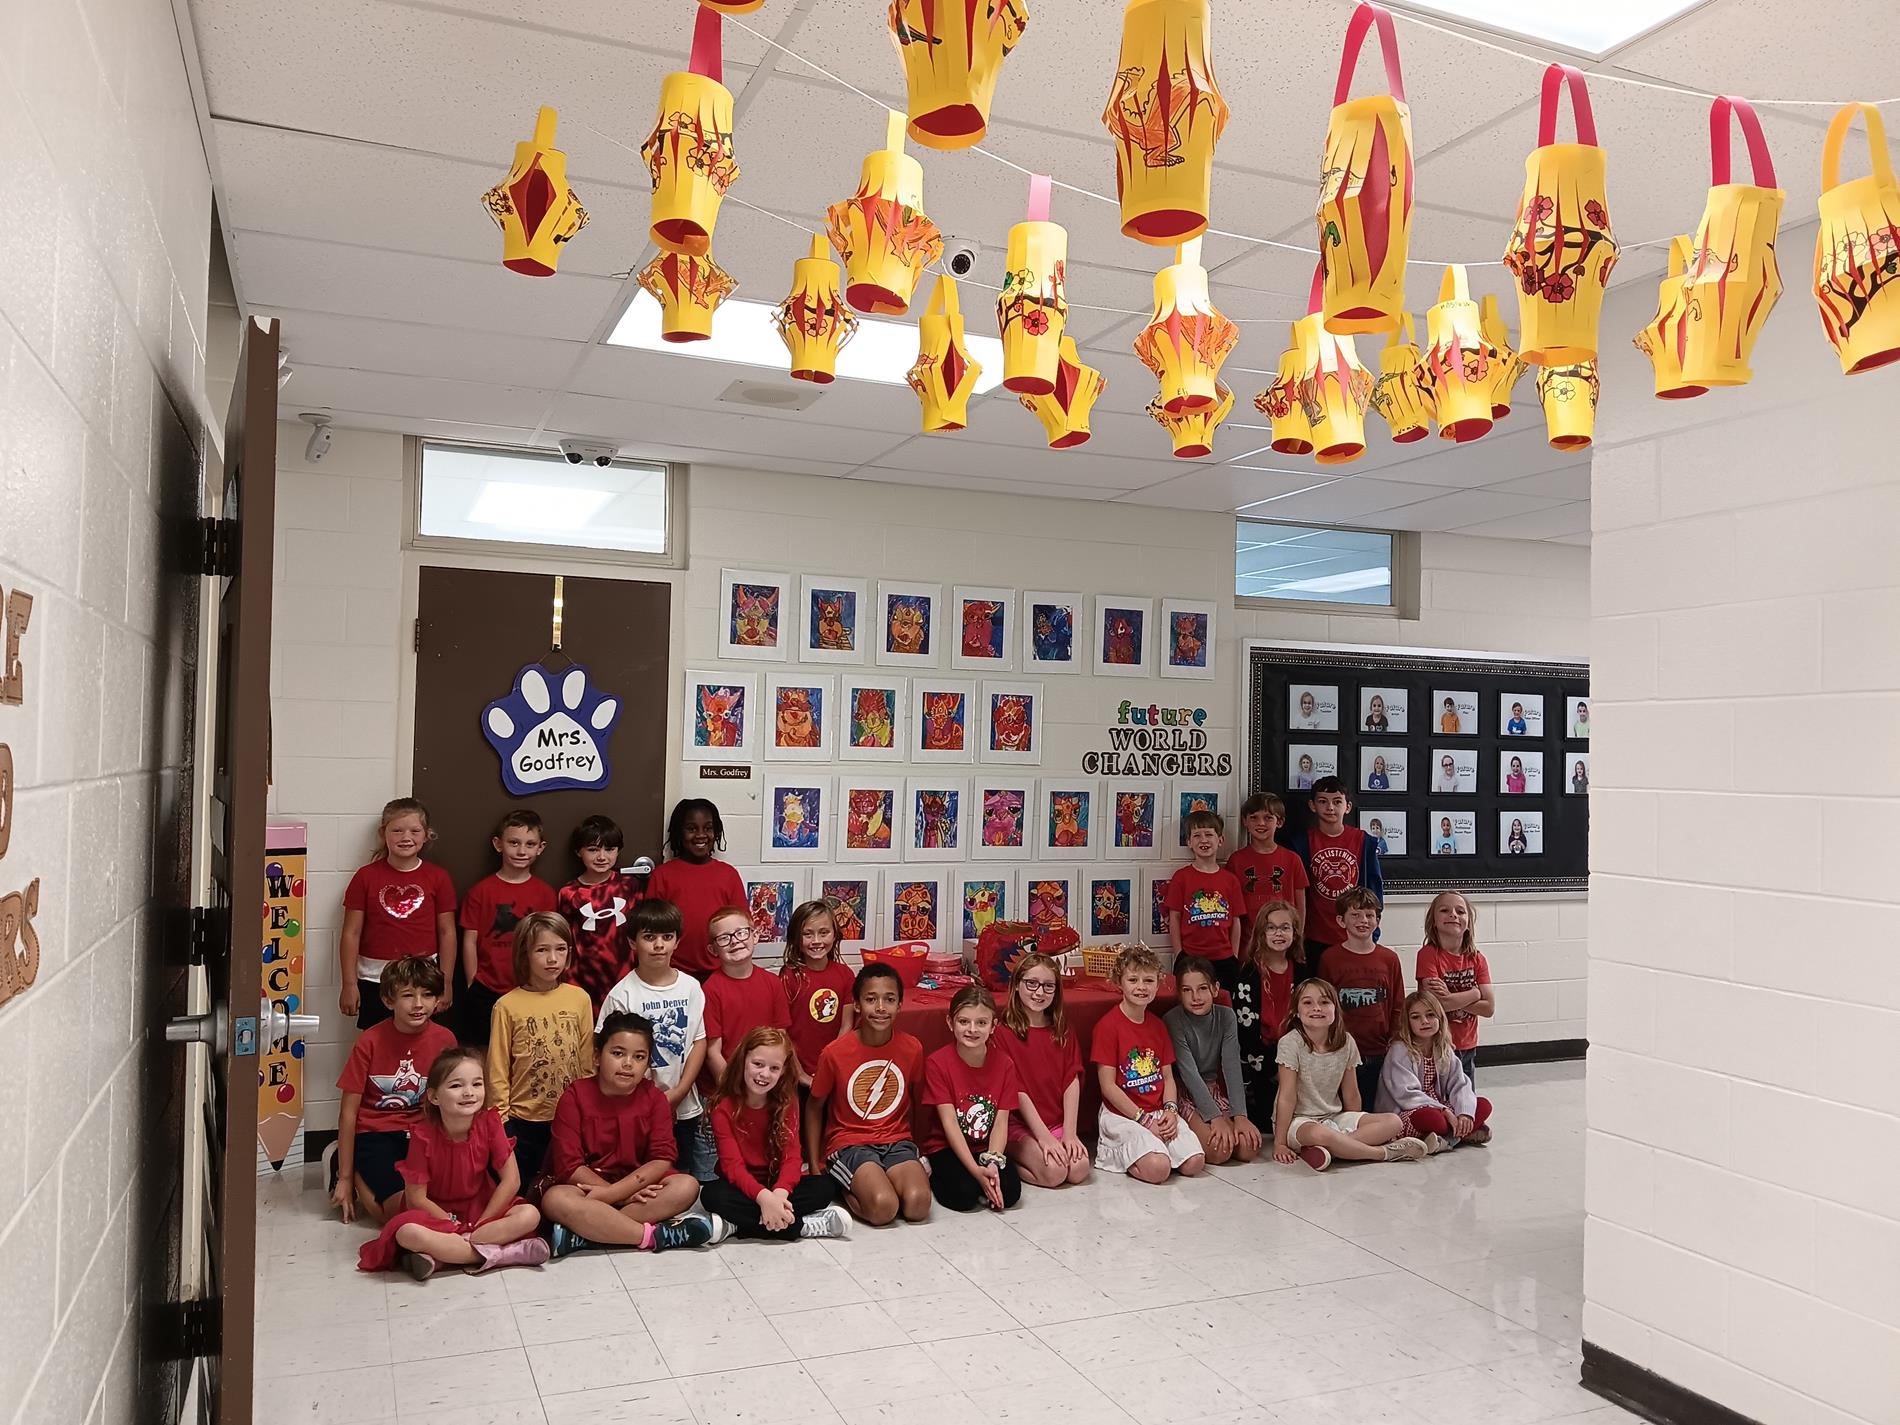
{"x": 1209, "y": 902}
{"x": 1136, "y": 1052}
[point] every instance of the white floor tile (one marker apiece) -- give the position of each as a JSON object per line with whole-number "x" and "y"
{"x": 603, "y": 1313}
{"x": 326, "y": 1397}
{"x": 765, "y": 1395}
{"x": 595, "y": 1363}
{"x": 879, "y": 1377}
{"x": 938, "y": 1316}
{"x": 658, "y": 1402}
{"x": 458, "y": 1382}
{"x": 838, "y": 1330}
{"x": 450, "y": 1330}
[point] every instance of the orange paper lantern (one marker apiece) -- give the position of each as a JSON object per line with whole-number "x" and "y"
{"x": 1031, "y": 311}
{"x": 533, "y": 206}
{"x": 813, "y": 321}
{"x": 1561, "y": 249}
{"x": 1333, "y": 387}
{"x": 1187, "y": 338}
{"x": 1191, "y": 432}
{"x": 689, "y": 290}
{"x": 1457, "y": 361}
{"x": 881, "y": 231}
{"x": 945, "y": 374}
{"x": 1506, "y": 364}
{"x": 733, "y": 7}
{"x": 1365, "y": 194}
{"x": 1403, "y": 392}
{"x": 1857, "y": 251}
{"x": 1568, "y": 395}
{"x": 689, "y": 154}
{"x": 953, "y": 52}
{"x": 1732, "y": 280}
{"x": 1165, "y": 113}
{"x": 1666, "y": 335}
{"x": 1065, "y": 411}
{"x": 1280, "y": 403}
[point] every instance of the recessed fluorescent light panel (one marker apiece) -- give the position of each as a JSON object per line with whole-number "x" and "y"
{"x": 744, "y": 334}
{"x": 1593, "y": 28}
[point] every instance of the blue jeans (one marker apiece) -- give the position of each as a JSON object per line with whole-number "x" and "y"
{"x": 698, "y": 1154}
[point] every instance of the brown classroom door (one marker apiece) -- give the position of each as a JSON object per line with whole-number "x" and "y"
{"x": 476, "y": 629}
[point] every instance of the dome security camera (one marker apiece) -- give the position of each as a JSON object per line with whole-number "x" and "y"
{"x": 959, "y": 256}
{"x": 578, "y": 452}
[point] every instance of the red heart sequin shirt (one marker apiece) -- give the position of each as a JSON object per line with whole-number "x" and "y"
{"x": 399, "y": 908}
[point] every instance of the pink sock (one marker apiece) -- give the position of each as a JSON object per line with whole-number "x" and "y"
{"x": 646, "y": 1237}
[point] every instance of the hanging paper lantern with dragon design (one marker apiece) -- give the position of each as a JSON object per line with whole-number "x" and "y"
{"x": 689, "y": 155}
{"x": 1666, "y": 335}
{"x": 689, "y": 290}
{"x": 1457, "y": 361}
{"x": 881, "y": 231}
{"x": 1365, "y": 195}
{"x": 1165, "y": 113}
{"x": 1857, "y": 250}
{"x": 1187, "y": 338}
{"x": 953, "y": 53}
{"x": 1403, "y": 392}
{"x": 533, "y": 206}
{"x": 1191, "y": 431}
{"x": 813, "y": 321}
{"x": 1732, "y": 279}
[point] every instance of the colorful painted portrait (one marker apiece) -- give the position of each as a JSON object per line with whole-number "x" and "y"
{"x": 1069, "y": 818}
{"x": 796, "y": 813}
{"x": 1122, "y": 633}
{"x": 915, "y": 909}
{"x": 1187, "y": 640}
{"x": 850, "y": 902}
{"x": 984, "y": 902}
{"x": 1111, "y": 905}
{"x": 983, "y": 630}
{"x": 935, "y": 818}
{"x": 833, "y": 617}
{"x": 752, "y": 619}
{"x": 1191, "y": 802}
{"x": 1052, "y": 632}
{"x": 1047, "y": 899}
{"x": 1134, "y": 819}
{"x": 771, "y": 905}
{"x": 1005, "y": 815}
{"x": 1158, "y": 906}
{"x": 798, "y": 716}
{"x": 869, "y": 813}
{"x": 718, "y": 715}
{"x": 873, "y": 718}
{"x": 907, "y": 624}
{"x": 1012, "y": 722}
{"x": 945, "y": 721}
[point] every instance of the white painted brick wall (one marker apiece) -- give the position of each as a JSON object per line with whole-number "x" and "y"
{"x": 102, "y": 331}
{"x": 1743, "y": 1179}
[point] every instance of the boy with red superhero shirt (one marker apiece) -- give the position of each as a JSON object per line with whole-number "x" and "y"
{"x": 1338, "y": 857}
{"x": 1267, "y": 873}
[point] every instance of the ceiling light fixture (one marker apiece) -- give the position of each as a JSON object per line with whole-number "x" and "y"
{"x": 746, "y": 335}
{"x": 1594, "y": 29}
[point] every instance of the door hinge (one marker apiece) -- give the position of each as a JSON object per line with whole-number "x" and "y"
{"x": 217, "y": 547}
{"x": 210, "y": 935}
{"x": 187, "y": 1330}
{"x": 416, "y": 639}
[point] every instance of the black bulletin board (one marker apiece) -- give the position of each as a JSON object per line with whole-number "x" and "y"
{"x": 1275, "y": 676}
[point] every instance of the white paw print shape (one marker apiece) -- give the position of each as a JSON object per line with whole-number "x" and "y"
{"x": 552, "y": 736}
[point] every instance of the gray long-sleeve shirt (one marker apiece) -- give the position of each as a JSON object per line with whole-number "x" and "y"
{"x": 1207, "y": 1046}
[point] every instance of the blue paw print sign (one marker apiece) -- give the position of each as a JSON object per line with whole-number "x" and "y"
{"x": 551, "y": 732}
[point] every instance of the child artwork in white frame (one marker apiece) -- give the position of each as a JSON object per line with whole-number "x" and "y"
{"x": 908, "y": 628}
{"x": 1111, "y": 904}
{"x": 983, "y": 623}
{"x": 722, "y": 716}
{"x": 944, "y": 726}
{"x": 1187, "y": 639}
{"x": 795, "y": 818}
{"x": 1123, "y": 642}
{"x": 1050, "y": 895}
{"x": 981, "y": 896}
{"x": 870, "y": 813}
{"x": 1054, "y": 627}
{"x": 1135, "y": 808}
{"x": 755, "y": 614}
{"x": 856, "y": 914}
{"x": 1009, "y": 722}
{"x": 1186, "y": 795}
{"x": 1155, "y": 929}
{"x": 934, "y": 823}
{"x": 1070, "y": 815}
{"x": 771, "y": 894}
{"x": 834, "y": 619}
{"x": 801, "y": 710}
{"x": 917, "y": 907}
{"x": 1002, "y": 813}
{"x": 873, "y": 717}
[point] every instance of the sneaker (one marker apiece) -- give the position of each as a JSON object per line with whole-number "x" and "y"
{"x": 1435, "y": 1144}
{"x": 826, "y": 1222}
{"x": 1408, "y": 1150}
{"x": 1318, "y": 1159}
{"x": 419, "y": 1265}
{"x": 1479, "y": 1135}
{"x": 721, "y": 1229}
{"x": 565, "y": 1241}
{"x": 684, "y": 1232}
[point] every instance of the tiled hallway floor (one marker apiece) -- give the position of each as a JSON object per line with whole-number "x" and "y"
{"x": 1447, "y": 1291}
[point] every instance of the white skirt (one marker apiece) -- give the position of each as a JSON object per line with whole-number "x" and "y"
{"x": 1120, "y": 1141}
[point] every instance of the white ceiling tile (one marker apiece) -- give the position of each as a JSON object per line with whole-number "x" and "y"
{"x": 1566, "y": 519}
{"x": 1455, "y": 509}
{"x": 1568, "y": 482}
{"x": 1826, "y": 48}
{"x": 391, "y": 393}
{"x": 498, "y": 358}
{"x": 731, "y": 431}
{"x": 1342, "y": 501}
{"x": 620, "y": 373}
{"x": 977, "y": 485}
{"x": 1221, "y": 487}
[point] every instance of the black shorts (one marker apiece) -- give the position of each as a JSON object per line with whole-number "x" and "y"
{"x": 377, "y": 1154}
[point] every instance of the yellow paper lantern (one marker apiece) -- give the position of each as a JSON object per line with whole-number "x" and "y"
{"x": 1280, "y": 403}
{"x": 1365, "y": 193}
{"x": 1403, "y": 392}
{"x": 813, "y": 321}
{"x": 1506, "y": 364}
{"x": 1732, "y": 280}
{"x": 881, "y": 231}
{"x": 1568, "y": 395}
{"x": 1561, "y": 249}
{"x": 1065, "y": 411}
{"x": 1186, "y": 338}
{"x": 1857, "y": 251}
{"x": 1666, "y": 335}
{"x": 689, "y": 154}
{"x": 533, "y": 206}
{"x": 953, "y": 52}
{"x": 1191, "y": 432}
{"x": 689, "y": 290}
{"x": 1333, "y": 388}
{"x": 1031, "y": 311}
{"x": 733, "y": 7}
{"x": 1457, "y": 361}
{"x": 1165, "y": 113}
{"x": 945, "y": 374}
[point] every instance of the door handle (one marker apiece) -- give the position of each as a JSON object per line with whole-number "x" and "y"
{"x": 277, "y": 1024}
{"x": 207, "y": 1029}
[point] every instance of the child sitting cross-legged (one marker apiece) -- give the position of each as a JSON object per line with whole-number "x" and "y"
{"x": 1424, "y": 1082}
{"x": 759, "y": 1189}
{"x": 971, "y": 1089}
{"x": 612, "y": 1155}
{"x": 1139, "y": 1130}
{"x": 1316, "y": 1116}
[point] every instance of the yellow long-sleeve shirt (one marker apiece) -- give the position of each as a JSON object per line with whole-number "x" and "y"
{"x": 538, "y": 1044}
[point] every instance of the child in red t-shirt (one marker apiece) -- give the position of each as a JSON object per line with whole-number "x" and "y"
{"x": 387, "y": 1067}
{"x": 491, "y": 910}
{"x": 741, "y": 997}
{"x": 759, "y": 1188}
{"x": 1337, "y": 858}
{"x": 1043, "y": 1141}
{"x": 1205, "y": 901}
{"x": 696, "y": 881}
{"x": 596, "y": 903}
{"x": 817, "y": 985}
{"x": 1370, "y": 981}
{"x": 1268, "y": 873}
{"x": 1455, "y": 972}
{"x": 461, "y": 1205}
{"x": 857, "y": 1120}
{"x": 972, "y": 1090}
{"x": 396, "y": 906}
{"x": 1139, "y": 1130}
{"x": 1263, "y": 1003}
